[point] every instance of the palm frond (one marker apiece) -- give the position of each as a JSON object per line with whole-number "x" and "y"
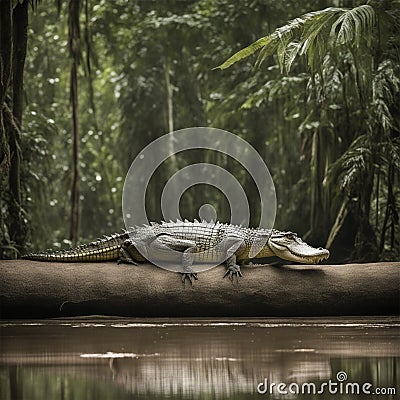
{"x": 311, "y": 35}
{"x": 385, "y": 87}
{"x": 353, "y": 24}
{"x": 355, "y": 163}
{"x": 247, "y": 51}
{"x": 394, "y": 155}
{"x": 349, "y": 169}
{"x": 290, "y": 54}
{"x": 313, "y": 27}
{"x": 282, "y": 36}
{"x": 387, "y": 155}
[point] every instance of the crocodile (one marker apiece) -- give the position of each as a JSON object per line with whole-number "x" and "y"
{"x": 193, "y": 242}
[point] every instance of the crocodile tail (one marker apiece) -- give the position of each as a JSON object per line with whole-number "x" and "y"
{"x": 104, "y": 249}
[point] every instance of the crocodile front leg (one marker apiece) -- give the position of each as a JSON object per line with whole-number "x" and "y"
{"x": 233, "y": 270}
{"x": 187, "y": 262}
{"x": 235, "y": 246}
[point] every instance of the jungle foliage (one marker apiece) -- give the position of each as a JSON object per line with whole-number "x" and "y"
{"x": 316, "y": 96}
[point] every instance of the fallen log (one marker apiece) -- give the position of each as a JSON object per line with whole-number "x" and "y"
{"x": 41, "y": 289}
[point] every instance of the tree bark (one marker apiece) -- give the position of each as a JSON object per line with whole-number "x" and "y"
{"x": 20, "y": 40}
{"x": 30, "y": 289}
{"x": 13, "y": 43}
{"x": 5, "y": 73}
{"x": 17, "y": 228}
{"x": 340, "y": 218}
{"x": 317, "y": 209}
{"x": 74, "y": 34}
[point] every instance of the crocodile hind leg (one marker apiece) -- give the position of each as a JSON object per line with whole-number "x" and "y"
{"x": 127, "y": 253}
{"x": 125, "y": 258}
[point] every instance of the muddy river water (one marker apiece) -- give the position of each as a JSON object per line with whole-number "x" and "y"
{"x": 119, "y": 358}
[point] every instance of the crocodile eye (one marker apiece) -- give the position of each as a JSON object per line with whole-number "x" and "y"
{"x": 291, "y": 236}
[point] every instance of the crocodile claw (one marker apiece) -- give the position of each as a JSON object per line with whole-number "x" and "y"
{"x": 122, "y": 260}
{"x": 233, "y": 271}
{"x": 190, "y": 276}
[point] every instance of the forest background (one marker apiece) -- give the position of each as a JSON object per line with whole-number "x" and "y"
{"x": 85, "y": 85}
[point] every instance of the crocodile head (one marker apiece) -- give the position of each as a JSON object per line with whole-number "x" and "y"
{"x": 289, "y": 246}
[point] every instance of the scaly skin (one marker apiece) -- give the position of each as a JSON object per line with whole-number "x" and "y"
{"x": 196, "y": 241}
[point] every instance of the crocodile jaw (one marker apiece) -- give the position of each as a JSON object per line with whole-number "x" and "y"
{"x": 292, "y": 248}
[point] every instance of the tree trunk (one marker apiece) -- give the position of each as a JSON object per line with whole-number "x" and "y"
{"x": 389, "y": 211}
{"x": 13, "y": 42}
{"x": 170, "y": 116}
{"x": 20, "y": 40}
{"x": 31, "y": 289}
{"x": 366, "y": 239}
{"x": 340, "y": 218}
{"x": 16, "y": 224}
{"x": 5, "y": 73}
{"x": 74, "y": 34}
{"x": 316, "y": 188}
{"x": 169, "y": 90}
{"x": 20, "y": 36}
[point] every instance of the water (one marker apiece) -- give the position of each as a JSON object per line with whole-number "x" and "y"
{"x": 102, "y": 358}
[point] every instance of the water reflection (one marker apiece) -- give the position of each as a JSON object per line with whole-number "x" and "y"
{"x": 124, "y": 359}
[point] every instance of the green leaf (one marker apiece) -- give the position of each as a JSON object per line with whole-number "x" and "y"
{"x": 247, "y": 51}
{"x": 353, "y": 24}
{"x": 291, "y": 52}
{"x": 280, "y": 39}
